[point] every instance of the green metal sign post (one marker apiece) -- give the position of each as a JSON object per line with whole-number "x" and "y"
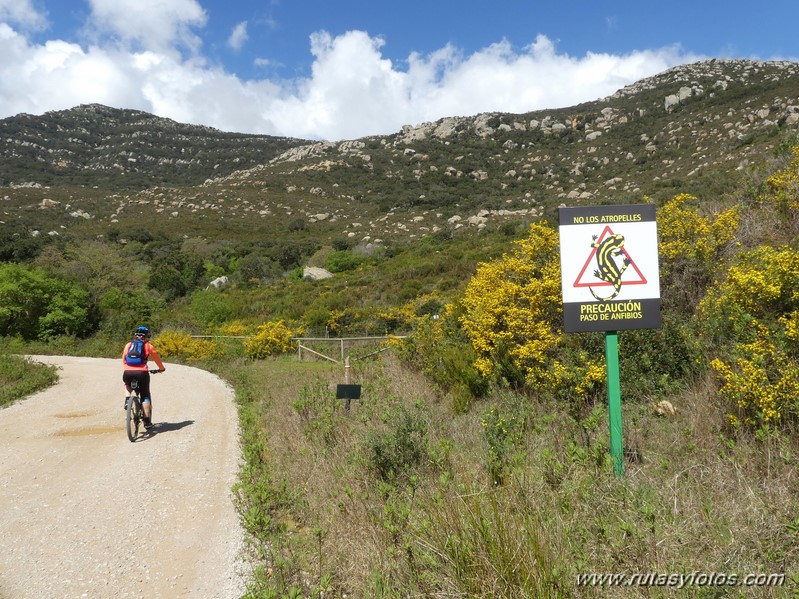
{"x": 614, "y": 401}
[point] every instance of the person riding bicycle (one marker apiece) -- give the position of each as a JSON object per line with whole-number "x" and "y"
{"x": 134, "y": 357}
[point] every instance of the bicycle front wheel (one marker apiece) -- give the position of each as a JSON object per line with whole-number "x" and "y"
{"x": 132, "y": 418}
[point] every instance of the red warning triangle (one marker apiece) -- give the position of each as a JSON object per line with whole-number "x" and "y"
{"x": 594, "y": 282}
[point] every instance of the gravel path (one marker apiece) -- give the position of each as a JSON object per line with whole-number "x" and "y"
{"x": 86, "y": 513}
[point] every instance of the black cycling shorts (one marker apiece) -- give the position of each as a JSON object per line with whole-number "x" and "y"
{"x": 143, "y": 379}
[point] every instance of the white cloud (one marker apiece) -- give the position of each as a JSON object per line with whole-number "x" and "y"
{"x": 61, "y": 75}
{"x": 238, "y": 37}
{"x": 149, "y": 24}
{"x": 352, "y": 91}
{"x": 22, "y": 13}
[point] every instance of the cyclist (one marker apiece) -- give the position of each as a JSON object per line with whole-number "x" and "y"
{"x": 135, "y": 363}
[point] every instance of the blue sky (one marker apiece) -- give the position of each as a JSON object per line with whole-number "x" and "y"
{"x": 331, "y": 70}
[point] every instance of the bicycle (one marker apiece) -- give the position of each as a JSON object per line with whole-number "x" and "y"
{"x": 134, "y": 413}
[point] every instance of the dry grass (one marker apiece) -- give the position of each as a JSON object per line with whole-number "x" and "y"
{"x": 694, "y": 499}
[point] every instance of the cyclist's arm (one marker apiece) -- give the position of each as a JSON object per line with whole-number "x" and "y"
{"x": 125, "y": 352}
{"x": 154, "y": 355}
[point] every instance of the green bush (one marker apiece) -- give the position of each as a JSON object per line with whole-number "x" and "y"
{"x": 341, "y": 261}
{"x": 168, "y": 281}
{"x": 122, "y": 311}
{"x": 17, "y": 244}
{"x": 35, "y": 305}
{"x": 503, "y": 430}
{"x": 658, "y": 361}
{"x": 211, "y": 308}
{"x": 435, "y": 348}
{"x": 253, "y": 269}
{"x": 400, "y": 446}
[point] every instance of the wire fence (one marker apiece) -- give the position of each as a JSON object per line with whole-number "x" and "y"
{"x": 323, "y": 347}
{"x": 339, "y": 346}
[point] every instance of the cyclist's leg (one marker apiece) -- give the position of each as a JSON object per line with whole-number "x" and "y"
{"x": 147, "y": 407}
{"x": 127, "y": 376}
{"x": 146, "y": 402}
{"x": 142, "y": 378}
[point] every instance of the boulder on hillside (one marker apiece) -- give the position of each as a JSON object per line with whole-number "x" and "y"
{"x": 315, "y": 273}
{"x": 219, "y": 282}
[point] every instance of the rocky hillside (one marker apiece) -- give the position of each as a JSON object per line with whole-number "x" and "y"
{"x": 694, "y": 129}
{"x": 122, "y": 149}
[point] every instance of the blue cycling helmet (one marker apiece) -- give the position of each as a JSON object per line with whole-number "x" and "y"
{"x": 143, "y": 332}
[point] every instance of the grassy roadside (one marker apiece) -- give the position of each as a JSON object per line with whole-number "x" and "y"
{"x": 401, "y": 497}
{"x": 20, "y": 377}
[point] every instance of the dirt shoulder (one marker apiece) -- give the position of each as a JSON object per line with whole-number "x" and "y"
{"x": 86, "y": 513}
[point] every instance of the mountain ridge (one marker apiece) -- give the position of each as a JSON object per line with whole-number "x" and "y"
{"x": 107, "y": 143}
{"x": 695, "y": 128}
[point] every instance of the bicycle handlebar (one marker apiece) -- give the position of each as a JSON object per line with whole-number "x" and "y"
{"x": 155, "y": 371}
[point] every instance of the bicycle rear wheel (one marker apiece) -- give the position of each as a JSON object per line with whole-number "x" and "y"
{"x": 132, "y": 418}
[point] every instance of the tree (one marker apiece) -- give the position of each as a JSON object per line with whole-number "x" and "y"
{"x": 34, "y": 305}
{"x": 123, "y": 310}
{"x": 18, "y": 244}
{"x": 168, "y": 280}
{"x": 252, "y": 269}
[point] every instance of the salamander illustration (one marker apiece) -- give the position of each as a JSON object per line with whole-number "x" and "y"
{"x": 609, "y": 271}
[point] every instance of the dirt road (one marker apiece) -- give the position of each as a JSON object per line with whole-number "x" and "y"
{"x": 86, "y": 513}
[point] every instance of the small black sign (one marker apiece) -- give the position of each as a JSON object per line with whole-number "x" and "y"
{"x": 348, "y": 392}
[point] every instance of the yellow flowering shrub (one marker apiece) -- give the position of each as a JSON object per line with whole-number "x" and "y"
{"x": 791, "y": 324}
{"x": 174, "y": 344}
{"x": 761, "y": 388}
{"x": 762, "y": 281}
{"x": 233, "y": 329}
{"x": 687, "y": 236}
{"x": 581, "y": 376}
{"x": 203, "y": 349}
{"x": 591, "y": 376}
{"x": 271, "y": 338}
{"x": 782, "y": 188}
{"x": 339, "y": 321}
{"x": 512, "y": 308}
{"x": 756, "y": 308}
{"x": 393, "y": 318}
{"x": 757, "y": 304}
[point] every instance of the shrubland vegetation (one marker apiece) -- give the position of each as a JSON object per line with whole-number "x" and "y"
{"x": 496, "y": 480}
{"x": 476, "y": 462}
